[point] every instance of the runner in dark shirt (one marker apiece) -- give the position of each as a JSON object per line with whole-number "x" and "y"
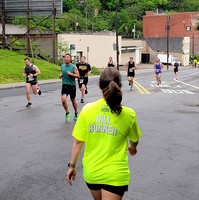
{"x": 84, "y": 70}
{"x": 31, "y": 72}
{"x": 111, "y": 63}
{"x": 175, "y": 68}
{"x": 130, "y": 68}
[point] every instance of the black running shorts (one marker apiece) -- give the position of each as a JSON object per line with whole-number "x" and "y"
{"x": 175, "y": 70}
{"x": 69, "y": 90}
{"x": 119, "y": 190}
{"x": 32, "y": 82}
{"x": 131, "y": 74}
{"x": 82, "y": 80}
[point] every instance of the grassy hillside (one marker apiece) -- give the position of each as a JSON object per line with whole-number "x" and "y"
{"x": 12, "y": 63}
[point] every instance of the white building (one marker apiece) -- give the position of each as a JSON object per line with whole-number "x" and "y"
{"x": 96, "y": 47}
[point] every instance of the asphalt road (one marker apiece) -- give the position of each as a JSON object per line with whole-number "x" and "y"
{"x": 35, "y": 143}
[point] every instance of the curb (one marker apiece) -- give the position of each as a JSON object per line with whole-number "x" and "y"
{"x": 42, "y": 82}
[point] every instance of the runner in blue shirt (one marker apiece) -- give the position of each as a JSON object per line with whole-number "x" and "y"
{"x": 158, "y": 66}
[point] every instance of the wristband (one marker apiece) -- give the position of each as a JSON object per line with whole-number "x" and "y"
{"x": 71, "y": 165}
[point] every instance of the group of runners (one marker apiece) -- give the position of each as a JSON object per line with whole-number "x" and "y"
{"x": 103, "y": 126}
{"x": 69, "y": 72}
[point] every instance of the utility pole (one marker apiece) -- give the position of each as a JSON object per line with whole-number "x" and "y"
{"x": 86, "y": 18}
{"x": 167, "y": 29}
{"x": 193, "y": 46}
{"x": 3, "y": 24}
{"x": 54, "y": 35}
{"x": 116, "y": 27}
{"x": 28, "y": 27}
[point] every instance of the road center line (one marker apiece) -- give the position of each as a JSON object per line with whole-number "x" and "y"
{"x": 138, "y": 88}
{"x": 142, "y": 87}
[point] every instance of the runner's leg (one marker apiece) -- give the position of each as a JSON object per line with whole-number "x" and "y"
{"x": 96, "y": 194}
{"x": 28, "y": 86}
{"x": 129, "y": 80}
{"x": 159, "y": 76}
{"x": 74, "y": 104}
{"x": 156, "y": 76}
{"x": 34, "y": 89}
{"x": 64, "y": 102}
{"x": 83, "y": 88}
{"x": 106, "y": 195}
{"x": 132, "y": 80}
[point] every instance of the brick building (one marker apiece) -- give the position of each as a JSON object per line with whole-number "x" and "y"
{"x": 180, "y": 25}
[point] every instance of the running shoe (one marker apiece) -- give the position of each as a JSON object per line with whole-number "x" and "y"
{"x": 29, "y": 104}
{"x": 131, "y": 88}
{"x": 82, "y": 101}
{"x": 67, "y": 117}
{"x": 39, "y": 92}
{"x": 75, "y": 116}
{"x": 86, "y": 91}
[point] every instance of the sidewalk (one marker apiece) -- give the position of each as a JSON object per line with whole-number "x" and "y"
{"x": 141, "y": 69}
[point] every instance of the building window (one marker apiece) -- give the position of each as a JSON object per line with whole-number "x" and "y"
{"x": 188, "y": 28}
{"x": 128, "y": 50}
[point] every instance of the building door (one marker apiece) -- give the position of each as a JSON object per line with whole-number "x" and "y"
{"x": 79, "y": 55}
{"x": 137, "y": 54}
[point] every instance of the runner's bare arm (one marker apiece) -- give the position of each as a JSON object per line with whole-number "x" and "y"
{"x": 162, "y": 66}
{"x": 88, "y": 72}
{"x": 24, "y": 73}
{"x": 37, "y": 70}
{"x": 136, "y": 67}
{"x": 77, "y": 147}
{"x": 75, "y": 74}
{"x": 126, "y": 66}
{"x": 154, "y": 67}
{"x": 60, "y": 75}
{"x": 132, "y": 148}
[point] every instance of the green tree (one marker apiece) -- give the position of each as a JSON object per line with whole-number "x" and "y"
{"x": 197, "y": 25}
{"x": 93, "y": 7}
{"x": 69, "y": 4}
{"x": 134, "y": 12}
{"x": 123, "y": 17}
{"x": 101, "y": 24}
{"x": 63, "y": 48}
{"x": 152, "y": 4}
{"x": 108, "y": 4}
{"x": 177, "y": 5}
{"x": 191, "y": 5}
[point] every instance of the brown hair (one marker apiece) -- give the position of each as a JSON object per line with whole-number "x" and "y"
{"x": 27, "y": 59}
{"x": 110, "y": 84}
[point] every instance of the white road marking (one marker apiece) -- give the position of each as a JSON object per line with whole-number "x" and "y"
{"x": 188, "y": 75}
{"x": 169, "y": 91}
{"x": 187, "y": 84}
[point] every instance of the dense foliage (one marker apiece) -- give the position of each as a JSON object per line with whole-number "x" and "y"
{"x": 99, "y": 15}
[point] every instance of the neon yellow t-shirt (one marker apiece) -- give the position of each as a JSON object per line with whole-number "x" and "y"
{"x": 105, "y": 135}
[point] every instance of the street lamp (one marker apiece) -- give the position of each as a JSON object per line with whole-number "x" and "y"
{"x": 168, "y": 29}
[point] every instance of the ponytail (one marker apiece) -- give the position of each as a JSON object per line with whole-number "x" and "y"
{"x": 110, "y": 84}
